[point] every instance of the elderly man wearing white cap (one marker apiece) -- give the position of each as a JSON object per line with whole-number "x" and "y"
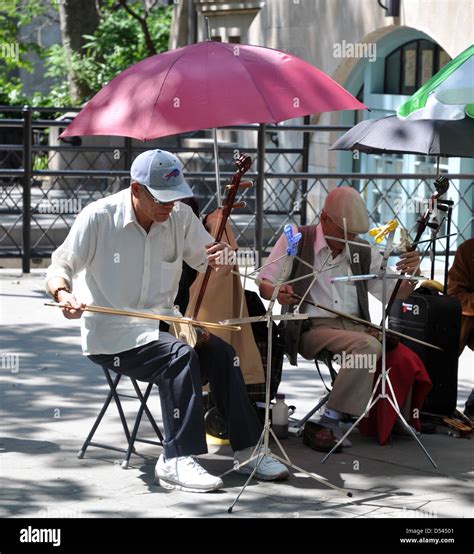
{"x": 128, "y": 249}
{"x": 352, "y": 388}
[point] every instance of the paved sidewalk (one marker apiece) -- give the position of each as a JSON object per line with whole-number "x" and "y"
{"x": 48, "y": 406}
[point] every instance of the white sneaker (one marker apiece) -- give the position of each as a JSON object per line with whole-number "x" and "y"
{"x": 186, "y": 474}
{"x": 269, "y": 469}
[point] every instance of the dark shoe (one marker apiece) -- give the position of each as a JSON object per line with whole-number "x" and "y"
{"x": 335, "y": 426}
{"x": 400, "y": 429}
{"x": 469, "y": 414}
{"x": 215, "y": 424}
{"x": 319, "y": 438}
{"x": 427, "y": 428}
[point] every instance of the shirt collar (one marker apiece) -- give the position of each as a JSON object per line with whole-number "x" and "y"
{"x": 129, "y": 215}
{"x": 128, "y": 211}
{"x": 320, "y": 242}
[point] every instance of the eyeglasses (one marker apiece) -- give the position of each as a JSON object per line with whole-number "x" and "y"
{"x": 155, "y": 200}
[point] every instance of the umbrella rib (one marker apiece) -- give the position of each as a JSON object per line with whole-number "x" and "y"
{"x": 261, "y": 96}
{"x": 159, "y": 92}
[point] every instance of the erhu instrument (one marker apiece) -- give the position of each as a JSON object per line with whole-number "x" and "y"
{"x": 195, "y": 336}
{"x": 441, "y": 187}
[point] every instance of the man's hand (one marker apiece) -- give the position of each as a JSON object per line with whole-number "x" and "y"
{"x": 220, "y": 254}
{"x": 76, "y": 310}
{"x": 285, "y": 295}
{"x": 409, "y": 263}
{"x": 373, "y": 333}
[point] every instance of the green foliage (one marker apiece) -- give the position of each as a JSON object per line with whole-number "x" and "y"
{"x": 40, "y": 162}
{"x": 117, "y": 43}
{"x": 13, "y": 15}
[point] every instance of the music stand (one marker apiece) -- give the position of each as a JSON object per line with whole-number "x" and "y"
{"x": 269, "y": 318}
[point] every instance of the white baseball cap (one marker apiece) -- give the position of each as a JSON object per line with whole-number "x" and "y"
{"x": 162, "y": 174}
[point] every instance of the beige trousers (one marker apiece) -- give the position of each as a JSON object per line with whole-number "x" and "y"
{"x": 353, "y": 386}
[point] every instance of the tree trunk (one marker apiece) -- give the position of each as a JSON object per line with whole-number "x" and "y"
{"x": 77, "y": 18}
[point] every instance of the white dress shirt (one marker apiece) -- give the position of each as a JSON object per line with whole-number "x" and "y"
{"x": 338, "y": 296}
{"x": 115, "y": 263}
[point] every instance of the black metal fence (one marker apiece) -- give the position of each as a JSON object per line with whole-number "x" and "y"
{"x": 44, "y": 182}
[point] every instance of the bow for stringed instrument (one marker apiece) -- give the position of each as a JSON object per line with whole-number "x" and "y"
{"x": 195, "y": 336}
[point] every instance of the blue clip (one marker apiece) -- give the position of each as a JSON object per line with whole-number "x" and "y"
{"x": 292, "y": 241}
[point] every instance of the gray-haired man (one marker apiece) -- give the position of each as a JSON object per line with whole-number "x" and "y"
{"x": 352, "y": 388}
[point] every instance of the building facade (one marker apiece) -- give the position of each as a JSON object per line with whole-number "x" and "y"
{"x": 381, "y": 52}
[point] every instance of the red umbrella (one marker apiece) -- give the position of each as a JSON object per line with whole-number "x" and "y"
{"x": 206, "y": 85}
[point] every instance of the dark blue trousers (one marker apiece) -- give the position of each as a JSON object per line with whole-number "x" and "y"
{"x": 179, "y": 371}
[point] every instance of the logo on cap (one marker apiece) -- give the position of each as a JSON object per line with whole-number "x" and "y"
{"x": 173, "y": 173}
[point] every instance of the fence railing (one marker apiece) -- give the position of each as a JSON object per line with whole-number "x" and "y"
{"x": 44, "y": 183}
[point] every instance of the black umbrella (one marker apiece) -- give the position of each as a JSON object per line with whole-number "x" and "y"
{"x": 431, "y": 137}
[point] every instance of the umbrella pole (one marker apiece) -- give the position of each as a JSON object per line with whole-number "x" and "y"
{"x": 259, "y": 196}
{"x": 216, "y": 166}
{"x": 214, "y": 136}
{"x": 208, "y": 29}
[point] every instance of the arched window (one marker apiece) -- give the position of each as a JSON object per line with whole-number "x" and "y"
{"x": 409, "y": 66}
